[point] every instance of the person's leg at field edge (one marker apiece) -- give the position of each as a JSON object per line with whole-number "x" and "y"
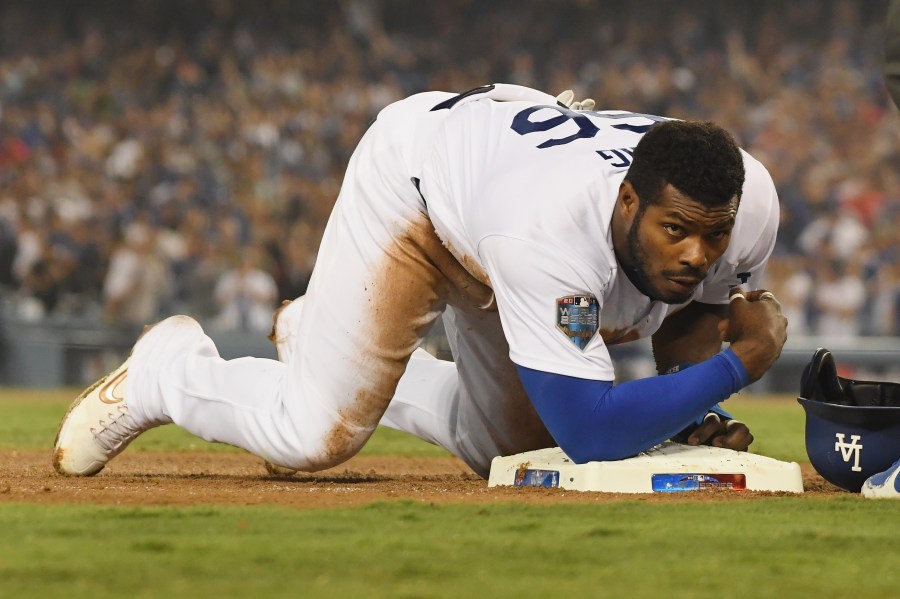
{"x": 474, "y": 407}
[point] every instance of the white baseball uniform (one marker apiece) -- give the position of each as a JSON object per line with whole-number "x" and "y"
{"x": 491, "y": 208}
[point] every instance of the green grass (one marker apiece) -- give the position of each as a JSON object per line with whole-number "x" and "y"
{"x": 799, "y": 546}
{"x": 29, "y": 418}
{"x": 780, "y": 546}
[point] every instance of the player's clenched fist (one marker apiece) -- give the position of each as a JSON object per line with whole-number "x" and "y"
{"x": 756, "y": 329}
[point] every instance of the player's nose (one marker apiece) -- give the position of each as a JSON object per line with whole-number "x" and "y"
{"x": 693, "y": 253}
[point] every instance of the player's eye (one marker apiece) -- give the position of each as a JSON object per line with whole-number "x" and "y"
{"x": 674, "y": 230}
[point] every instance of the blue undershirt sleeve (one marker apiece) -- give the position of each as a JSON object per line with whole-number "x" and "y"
{"x": 716, "y": 408}
{"x": 596, "y": 420}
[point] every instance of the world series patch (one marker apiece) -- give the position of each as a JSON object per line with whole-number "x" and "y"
{"x": 578, "y": 317}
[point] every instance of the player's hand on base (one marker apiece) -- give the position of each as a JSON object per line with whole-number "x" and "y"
{"x": 731, "y": 434}
{"x": 756, "y": 329}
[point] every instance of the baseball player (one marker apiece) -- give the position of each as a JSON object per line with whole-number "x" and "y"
{"x": 542, "y": 235}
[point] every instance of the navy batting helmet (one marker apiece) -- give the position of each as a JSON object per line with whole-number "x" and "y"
{"x": 852, "y": 427}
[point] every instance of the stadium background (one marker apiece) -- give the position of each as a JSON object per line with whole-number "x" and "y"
{"x": 162, "y": 157}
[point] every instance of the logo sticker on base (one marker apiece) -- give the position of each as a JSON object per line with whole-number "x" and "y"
{"x": 678, "y": 482}
{"x": 578, "y": 317}
{"x": 528, "y": 477}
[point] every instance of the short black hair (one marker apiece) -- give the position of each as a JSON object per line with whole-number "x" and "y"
{"x": 699, "y": 158}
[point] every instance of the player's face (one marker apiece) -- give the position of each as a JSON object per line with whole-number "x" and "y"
{"x": 672, "y": 244}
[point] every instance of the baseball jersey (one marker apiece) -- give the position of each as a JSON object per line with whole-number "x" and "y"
{"x": 522, "y": 192}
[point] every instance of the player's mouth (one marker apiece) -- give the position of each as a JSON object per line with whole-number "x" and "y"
{"x": 684, "y": 284}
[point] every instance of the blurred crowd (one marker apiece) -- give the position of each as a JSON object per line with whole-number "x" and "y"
{"x": 160, "y": 157}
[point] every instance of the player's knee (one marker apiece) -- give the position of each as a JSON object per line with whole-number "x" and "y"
{"x": 340, "y": 443}
{"x": 337, "y": 445}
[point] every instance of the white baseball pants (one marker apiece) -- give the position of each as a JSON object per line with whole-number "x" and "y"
{"x": 381, "y": 278}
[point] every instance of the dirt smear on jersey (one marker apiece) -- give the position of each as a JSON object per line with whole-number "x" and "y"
{"x": 143, "y": 478}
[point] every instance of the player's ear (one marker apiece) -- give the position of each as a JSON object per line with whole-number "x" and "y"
{"x": 628, "y": 200}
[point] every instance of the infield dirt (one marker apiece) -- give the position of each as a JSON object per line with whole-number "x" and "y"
{"x": 204, "y": 478}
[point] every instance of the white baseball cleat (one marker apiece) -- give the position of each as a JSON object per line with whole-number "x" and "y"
{"x": 883, "y": 485}
{"x": 98, "y": 425}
